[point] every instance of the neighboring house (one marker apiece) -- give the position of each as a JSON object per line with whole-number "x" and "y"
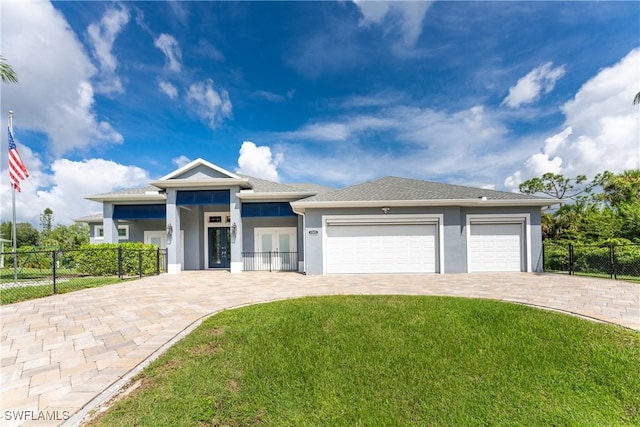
{"x": 210, "y": 218}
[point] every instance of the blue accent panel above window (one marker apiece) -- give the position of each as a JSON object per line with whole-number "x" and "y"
{"x": 266, "y": 209}
{"x": 139, "y": 212}
{"x": 203, "y": 197}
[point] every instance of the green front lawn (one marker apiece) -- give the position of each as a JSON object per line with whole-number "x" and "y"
{"x": 390, "y": 361}
{"x": 11, "y": 295}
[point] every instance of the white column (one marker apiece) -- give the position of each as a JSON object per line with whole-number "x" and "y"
{"x": 173, "y": 239}
{"x": 109, "y": 225}
{"x": 236, "y": 238}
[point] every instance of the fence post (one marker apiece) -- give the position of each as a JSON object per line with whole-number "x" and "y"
{"x": 140, "y": 262}
{"x": 55, "y": 289}
{"x": 612, "y": 261}
{"x": 570, "y": 259}
{"x": 158, "y": 261}
{"x": 120, "y": 272}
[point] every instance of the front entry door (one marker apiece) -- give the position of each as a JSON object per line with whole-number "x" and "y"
{"x": 219, "y": 247}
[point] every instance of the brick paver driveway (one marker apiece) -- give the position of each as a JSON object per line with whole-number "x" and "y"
{"x": 64, "y": 355}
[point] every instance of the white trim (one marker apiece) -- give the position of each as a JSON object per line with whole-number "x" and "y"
{"x": 209, "y": 183}
{"x": 293, "y": 231}
{"x": 301, "y": 205}
{"x": 120, "y": 227}
{"x": 199, "y": 162}
{"x": 382, "y": 219}
{"x": 174, "y": 268}
{"x": 516, "y": 218}
{"x": 224, "y": 224}
{"x": 236, "y": 267}
{"x": 274, "y": 196}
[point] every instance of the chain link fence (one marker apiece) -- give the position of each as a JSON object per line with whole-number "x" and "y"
{"x": 613, "y": 261}
{"x": 40, "y": 273}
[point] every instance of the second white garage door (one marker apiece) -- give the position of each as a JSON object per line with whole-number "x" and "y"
{"x": 495, "y": 247}
{"x": 381, "y": 248}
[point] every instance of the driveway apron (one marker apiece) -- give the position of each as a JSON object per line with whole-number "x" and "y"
{"x": 65, "y": 355}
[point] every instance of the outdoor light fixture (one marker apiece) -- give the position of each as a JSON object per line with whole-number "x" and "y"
{"x": 385, "y": 210}
{"x": 234, "y": 228}
{"x": 169, "y": 229}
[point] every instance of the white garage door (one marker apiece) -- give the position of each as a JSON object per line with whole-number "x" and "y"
{"x": 495, "y": 247}
{"x": 381, "y": 248}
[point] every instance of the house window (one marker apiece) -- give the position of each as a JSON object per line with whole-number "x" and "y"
{"x": 123, "y": 232}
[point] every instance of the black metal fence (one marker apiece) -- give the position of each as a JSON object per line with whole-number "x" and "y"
{"x": 270, "y": 261}
{"x": 613, "y": 261}
{"x": 41, "y": 273}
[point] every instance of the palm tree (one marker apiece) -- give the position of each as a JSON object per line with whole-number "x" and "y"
{"x": 636, "y": 100}
{"x": 6, "y": 72}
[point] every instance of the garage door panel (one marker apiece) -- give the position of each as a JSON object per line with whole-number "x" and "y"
{"x": 381, "y": 248}
{"x": 495, "y": 247}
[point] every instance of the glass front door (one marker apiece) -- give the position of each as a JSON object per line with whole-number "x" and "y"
{"x": 219, "y": 247}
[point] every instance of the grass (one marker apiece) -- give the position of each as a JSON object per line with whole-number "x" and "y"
{"x": 625, "y": 277}
{"x": 11, "y": 295}
{"x": 392, "y": 361}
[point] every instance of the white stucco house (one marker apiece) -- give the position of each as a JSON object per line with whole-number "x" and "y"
{"x": 209, "y": 218}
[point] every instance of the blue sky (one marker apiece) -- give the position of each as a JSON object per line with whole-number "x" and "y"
{"x": 488, "y": 94}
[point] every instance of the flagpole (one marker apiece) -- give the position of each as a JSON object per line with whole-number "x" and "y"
{"x": 14, "y": 238}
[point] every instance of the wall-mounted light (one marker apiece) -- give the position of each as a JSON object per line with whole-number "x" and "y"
{"x": 234, "y": 228}
{"x": 385, "y": 209}
{"x": 169, "y": 229}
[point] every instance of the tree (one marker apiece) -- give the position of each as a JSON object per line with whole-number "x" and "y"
{"x": 556, "y": 186}
{"x": 46, "y": 221}
{"x": 26, "y": 234}
{"x": 621, "y": 188}
{"x": 603, "y": 210}
{"x": 636, "y": 100}
{"x": 70, "y": 237}
{"x": 7, "y": 74}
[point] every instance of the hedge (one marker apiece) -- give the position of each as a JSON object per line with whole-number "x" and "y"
{"x": 102, "y": 259}
{"x": 604, "y": 258}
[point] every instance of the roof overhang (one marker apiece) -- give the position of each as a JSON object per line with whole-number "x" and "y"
{"x": 249, "y": 195}
{"x": 128, "y": 198}
{"x": 302, "y": 205}
{"x": 202, "y": 183}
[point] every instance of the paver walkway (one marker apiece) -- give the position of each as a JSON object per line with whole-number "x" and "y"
{"x": 64, "y": 355}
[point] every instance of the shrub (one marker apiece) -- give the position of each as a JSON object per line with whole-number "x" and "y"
{"x": 102, "y": 259}
{"x": 34, "y": 257}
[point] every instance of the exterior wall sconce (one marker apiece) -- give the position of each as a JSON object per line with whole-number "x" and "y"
{"x": 385, "y": 210}
{"x": 234, "y": 229}
{"x": 169, "y": 229}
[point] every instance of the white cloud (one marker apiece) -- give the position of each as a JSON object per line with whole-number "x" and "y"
{"x": 169, "y": 89}
{"x": 405, "y": 17}
{"x": 181, "y": 161}
{"x": 171, "y": 49}
{"x": 63, "y": 188}
{"x": 426, "y": 143}
{"x": 270, "y": 96}
{"x": 211, "y": 105}
{"x": 102, "y": 35}
{"x": 528, "y": 89}
{"x": 601, "y": 129}
{"x": 258, "y": 161}
{"x": 52, "y": 96}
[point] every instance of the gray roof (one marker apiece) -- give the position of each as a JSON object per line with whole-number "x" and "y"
{"x": 394, "y": 188}
{"x": 264, "y": 186}
{"x": 97, "y": 217}
{"x": 130, "y": 191}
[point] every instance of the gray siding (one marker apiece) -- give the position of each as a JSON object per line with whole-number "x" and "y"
{"x": 454, "y": 237}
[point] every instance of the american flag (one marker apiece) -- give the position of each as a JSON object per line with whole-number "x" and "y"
{"x": 17, "y": 169}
